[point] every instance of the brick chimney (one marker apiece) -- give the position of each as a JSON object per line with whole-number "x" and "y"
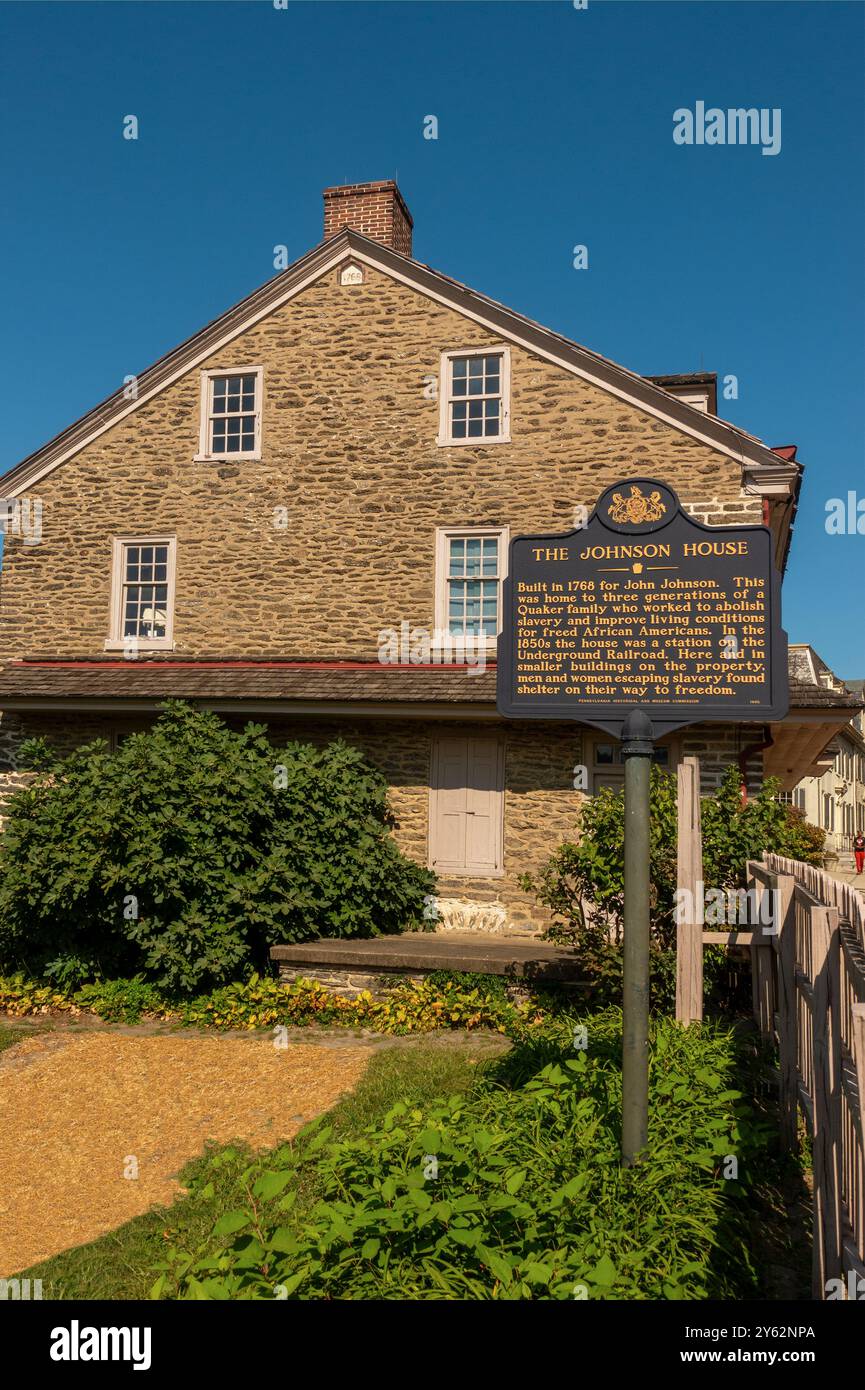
{"x": 377, "y": 210}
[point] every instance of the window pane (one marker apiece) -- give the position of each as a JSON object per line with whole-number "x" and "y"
{"x": 458, "y": 553}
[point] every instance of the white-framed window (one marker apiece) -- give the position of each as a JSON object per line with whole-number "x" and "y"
{"x": 606, "y": 766}
{"x": 471, "y": 562}
{"x": 142, "y": 593}
{"x": 475, "y": 390}
{"x": 828, "y": 811}
{"x": 231, "y": 414}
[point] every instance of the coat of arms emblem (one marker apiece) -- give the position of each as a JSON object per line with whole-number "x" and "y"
{"x": 636, "y": 508}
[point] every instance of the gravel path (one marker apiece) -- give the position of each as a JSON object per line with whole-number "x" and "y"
{"x": 80, "y": 1111}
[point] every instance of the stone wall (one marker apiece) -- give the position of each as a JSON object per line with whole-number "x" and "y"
{"x": 349, "y": 983}
{"x": 349, "y": 452}
{"x": 541, "y": 807}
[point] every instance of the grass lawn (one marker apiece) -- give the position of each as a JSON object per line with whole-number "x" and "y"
{"x": 10, "y": 1035}
{"x": 526, "y": 1124}
{"x": 120, "y": 1265}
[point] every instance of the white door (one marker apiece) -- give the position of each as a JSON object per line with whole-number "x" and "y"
{"x": 467, "y": 805}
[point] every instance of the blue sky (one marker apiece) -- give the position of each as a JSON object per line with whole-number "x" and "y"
{"x": 555, "y": 128}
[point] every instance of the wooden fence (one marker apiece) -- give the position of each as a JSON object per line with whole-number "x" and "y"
{"x": 808, "y": 970}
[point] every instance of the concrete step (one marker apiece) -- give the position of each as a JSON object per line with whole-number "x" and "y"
{"x": 425, "y": 951}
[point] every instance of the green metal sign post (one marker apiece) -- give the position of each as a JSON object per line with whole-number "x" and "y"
{"x": 637, "y": 746}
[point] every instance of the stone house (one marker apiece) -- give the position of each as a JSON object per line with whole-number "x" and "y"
{"x": 341, "y": 456}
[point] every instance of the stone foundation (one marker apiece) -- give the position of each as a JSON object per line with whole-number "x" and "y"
{"x": 349, "y": 983}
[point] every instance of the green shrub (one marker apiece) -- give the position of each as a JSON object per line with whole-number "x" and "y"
{"x": 525, "y": 1198}
{"x": 187, "y": 853}
{"x": 582, "y": 883}
{"x": 735, "y": 831}
{"x": 120, "y": 1001}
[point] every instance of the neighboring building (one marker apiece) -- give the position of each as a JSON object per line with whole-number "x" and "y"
{"x": 346, "y": 451}
{"x": 834, "y": 797}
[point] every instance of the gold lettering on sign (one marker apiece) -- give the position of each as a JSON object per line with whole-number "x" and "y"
{"x": 644, "y": 632}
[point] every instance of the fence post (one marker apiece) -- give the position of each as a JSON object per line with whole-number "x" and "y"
{"x": 857, "y": 1041}
{"x": 762, "y": 952}
{"x": 689, "y": 927}
{"x": 788, "y": 1021}
{"x": 826, "y": 1043}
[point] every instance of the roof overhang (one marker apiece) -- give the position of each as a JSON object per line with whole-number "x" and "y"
{"x": 800, "y": 741}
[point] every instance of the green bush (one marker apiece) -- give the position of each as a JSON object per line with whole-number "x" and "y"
{"x": 525, "y": 1198}
{"x": 735, "y": 831}
{"x": 582, "y": 883}
{"x": 187, "y": 853}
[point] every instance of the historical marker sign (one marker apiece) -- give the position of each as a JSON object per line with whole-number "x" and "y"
{"x": 643, "y": 608}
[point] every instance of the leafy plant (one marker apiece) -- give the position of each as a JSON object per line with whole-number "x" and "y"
{"x": 582, "y": 883}
{"x": 512, "y": 1192}
{"x": 735, "y": 831}
{"x": 184, "y": 855}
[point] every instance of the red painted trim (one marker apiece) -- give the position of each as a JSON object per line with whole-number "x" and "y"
{"x": 249, "y": 665}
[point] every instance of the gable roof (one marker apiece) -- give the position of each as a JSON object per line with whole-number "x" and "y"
{"x": 764, "y": 472}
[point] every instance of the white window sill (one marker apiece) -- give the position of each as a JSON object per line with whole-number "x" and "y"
{"x": 163, "y": 645}
{"x": 226, "y": 458}
{"x": 444, "y": 871}
{"x": 440, "y": 649}
{"x": 479, "y": 442}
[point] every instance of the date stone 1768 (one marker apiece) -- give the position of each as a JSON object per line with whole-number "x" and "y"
{"x": 643, "y": 608}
